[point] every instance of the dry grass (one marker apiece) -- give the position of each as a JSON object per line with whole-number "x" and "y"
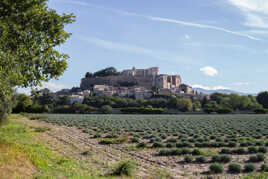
{"x": 14, "y": 163}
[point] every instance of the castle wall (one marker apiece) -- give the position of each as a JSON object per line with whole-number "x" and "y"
{"x": 147, "y": 81}
{"x": 147, "y": 78}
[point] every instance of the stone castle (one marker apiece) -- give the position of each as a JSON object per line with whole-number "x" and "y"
{"x": 132, "y": 83}
{"x": 148, "y": 78}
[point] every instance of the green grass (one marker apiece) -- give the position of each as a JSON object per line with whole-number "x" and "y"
{"x": 22, "y": 142}
{"x": 257, "y": 176}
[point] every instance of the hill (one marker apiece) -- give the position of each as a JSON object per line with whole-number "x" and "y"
{"x": 225, "y": 91}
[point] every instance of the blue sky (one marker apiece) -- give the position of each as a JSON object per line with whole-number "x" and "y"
{"x": 210, "y": 43}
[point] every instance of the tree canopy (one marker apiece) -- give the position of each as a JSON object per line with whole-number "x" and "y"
{"x": 29, "y": 35}
{"x": 110, "y": 71}
{"x": 262, "y": 98}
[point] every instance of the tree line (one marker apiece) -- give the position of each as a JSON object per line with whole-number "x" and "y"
{"x": 217, "y": 103}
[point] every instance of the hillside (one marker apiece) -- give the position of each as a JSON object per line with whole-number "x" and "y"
{"x": 225, "y": 91}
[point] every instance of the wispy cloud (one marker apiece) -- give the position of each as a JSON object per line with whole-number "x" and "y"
{"x": 166, "y": 20}
{"x": 164, "y": 56}
{"x": 202, "y": 26}
{"x": 255, "y": 12}
{"x": 111, "y": 45}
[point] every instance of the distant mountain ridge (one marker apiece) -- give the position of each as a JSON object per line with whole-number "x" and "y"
{"x": 225, "y": 91}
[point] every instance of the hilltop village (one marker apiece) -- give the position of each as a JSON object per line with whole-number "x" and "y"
{"x": 131, "y": 83}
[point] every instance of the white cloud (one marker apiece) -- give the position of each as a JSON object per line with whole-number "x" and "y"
{"x": 209, "y": 71}
{"x": 260, "y": 6}
{"x": 255, "y": 12}
{"x": 186, "y": 36}
{"x": 53, "y": 86}
{"x": 167, "y": 20}
{"x": 256, "y": 21}
{"x": 50, "y": 85}
{"x": 210, "y": 88}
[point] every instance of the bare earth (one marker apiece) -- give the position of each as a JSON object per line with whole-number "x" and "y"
{"x": 71, "y": 142}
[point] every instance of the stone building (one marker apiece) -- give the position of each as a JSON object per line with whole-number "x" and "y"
{"x": 153, "y": 71}
{"x": 186, "y": 89}
{"x": 147, "y": 78}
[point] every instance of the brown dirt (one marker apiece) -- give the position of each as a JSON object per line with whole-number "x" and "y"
{"x": 16, "y": 164}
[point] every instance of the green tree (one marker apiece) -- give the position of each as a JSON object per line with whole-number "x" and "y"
{"x": 211, "y": 107}
{"x": 29, "y": 35}
{"x": 184, "y": 104}
{"x": 63, "y": 100}
{"x": 262, "y": 98}
{"x": 23, "y": 102}
{"x": 106, "y": 109}
{"x": 110, "y": 71}
{"x": 197, "y": 106}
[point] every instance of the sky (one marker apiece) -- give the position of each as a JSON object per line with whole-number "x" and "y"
{"x": 213, "y": 44}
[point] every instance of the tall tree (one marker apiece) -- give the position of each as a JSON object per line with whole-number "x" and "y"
{"x": 262, "y": 98}
{"x": 29, "y": 35}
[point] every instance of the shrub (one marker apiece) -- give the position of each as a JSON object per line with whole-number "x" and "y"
{"x": 259, "y": 143}
{"x": 221, "y": 158}
{"x": 135, "y": 139}
{"x": 125, "y": 168}
{"x": 157, "y": 145}
{"x": 216, "y": 168}
{"x": 264, "y": 168}
{"x": 183, "y": 144}
{"x": 244, "y": 144}
{"x": 86, "y": 153}
{"x": 119, "y": 140}
{"x": 263, "y": 150}
{"x": 240, "y": 151}
{"x": 196, "y": 152}
{"x": 224, "y": 110}
{"x": 232, "y": 144}
{"x": 172, "y": 140}
{"x": 142, "y": 145}
{"x": 257, "y": 158}
{"x": 106, "y": 141}
{"x": 226, "y": 159}
{"x": 185, "y": 151}
{"x": 253, "y": 159}
{"x": 260, "y": 157}
{"x": 215, "y": 158}
{"x": 234, "y": 168}
{"x": 252, "y": 150}
{"x": 225, "y": 151}
{"x": 249, "y": 168}
{"x": 201, "y": 159}
{"x": 98, "y": 135}
{"x": 188, "y": 159}
{"x": 169, "y": 145}
{"x": 164, "y": 152}
{"x": 173, "y": 152}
